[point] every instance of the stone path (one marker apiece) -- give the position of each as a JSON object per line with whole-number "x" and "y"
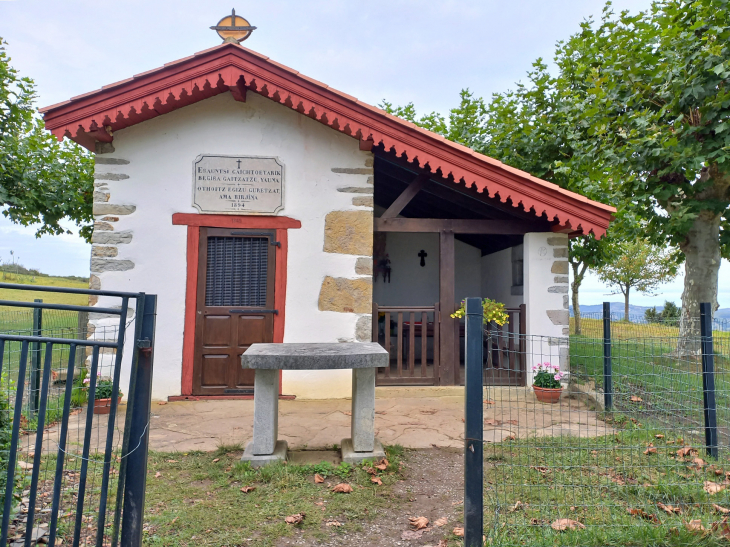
{"x": 412, "y": 417}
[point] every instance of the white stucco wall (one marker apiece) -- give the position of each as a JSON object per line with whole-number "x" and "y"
{"x": 546, "y": 296}
{"x": 160, "y": 154}
{"x": 413, "y": 285}
{"x": 497, "y": 278}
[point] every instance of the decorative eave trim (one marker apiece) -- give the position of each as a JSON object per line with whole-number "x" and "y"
{"x": 97, "y": 115}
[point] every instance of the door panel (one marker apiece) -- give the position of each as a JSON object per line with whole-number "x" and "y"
{"x": 235, "y": 301}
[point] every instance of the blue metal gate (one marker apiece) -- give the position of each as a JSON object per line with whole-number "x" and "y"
{"x": 73, "y": 472}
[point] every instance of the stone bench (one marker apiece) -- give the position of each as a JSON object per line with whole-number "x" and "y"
{"x": 269, "y": 359}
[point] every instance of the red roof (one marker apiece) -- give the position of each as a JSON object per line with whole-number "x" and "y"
{"x": 231, "y": 67}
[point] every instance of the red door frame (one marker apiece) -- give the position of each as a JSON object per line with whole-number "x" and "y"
{"x": 194, "y": 222}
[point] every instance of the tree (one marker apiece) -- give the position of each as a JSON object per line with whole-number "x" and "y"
{"x": 42, "y": 180}
{"x": 640, "y": 266}
{"x": 670, "y": 314}
{"x": 658, "y": 111}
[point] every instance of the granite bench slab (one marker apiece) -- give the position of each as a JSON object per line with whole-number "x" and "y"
{"x": 315, "y": 356}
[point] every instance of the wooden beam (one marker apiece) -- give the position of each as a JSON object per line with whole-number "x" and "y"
{"x": 405, "y": 197}
{"x": 458, "y": 226}
{"x": 447, "y": 297}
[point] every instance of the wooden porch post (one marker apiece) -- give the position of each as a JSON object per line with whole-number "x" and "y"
{"x": 447, "y": 297}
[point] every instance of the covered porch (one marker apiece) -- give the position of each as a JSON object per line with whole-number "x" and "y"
{"x": 437, "y": 242}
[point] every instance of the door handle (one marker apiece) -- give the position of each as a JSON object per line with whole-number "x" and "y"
{"x": 254, "y": 312}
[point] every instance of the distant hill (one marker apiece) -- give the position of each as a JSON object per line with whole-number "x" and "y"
{"x": 617, "y": 309}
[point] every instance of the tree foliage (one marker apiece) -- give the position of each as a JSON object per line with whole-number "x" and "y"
{"x": 640, "y": 266}
{"x": 42, "y": 180}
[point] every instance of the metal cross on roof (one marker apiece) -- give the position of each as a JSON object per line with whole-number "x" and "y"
{"x": 233, "y": 28}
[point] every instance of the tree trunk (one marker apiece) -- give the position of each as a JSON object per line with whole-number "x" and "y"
{"x": 626, "y": 304}
{"x": 701, "y": 251}
{"x": 578, "y": 273}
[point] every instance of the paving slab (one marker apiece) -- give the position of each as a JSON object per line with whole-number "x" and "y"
{"x": 429, "y": 417}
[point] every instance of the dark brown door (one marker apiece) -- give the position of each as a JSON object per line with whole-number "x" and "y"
{"x": 234, "y": 307}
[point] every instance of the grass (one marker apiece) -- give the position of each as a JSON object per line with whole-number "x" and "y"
{"x": 622, "y": 330}
{"x": 55, "y": 298}
{"x": 596, "y": 482}
{"x": 197, "y": 500}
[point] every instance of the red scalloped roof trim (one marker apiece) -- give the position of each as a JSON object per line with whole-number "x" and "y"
{"x": 230, "y": 67}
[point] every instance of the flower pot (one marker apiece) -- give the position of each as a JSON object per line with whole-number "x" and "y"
{"x": 548, "y": 394}
{"x": 104, "y": 406}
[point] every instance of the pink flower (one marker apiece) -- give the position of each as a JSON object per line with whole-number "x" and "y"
{"x": 557, "y": 376}
{"x": 87, "y": 380}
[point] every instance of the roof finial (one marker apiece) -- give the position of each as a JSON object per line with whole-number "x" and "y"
{"x": 233, "y": 28}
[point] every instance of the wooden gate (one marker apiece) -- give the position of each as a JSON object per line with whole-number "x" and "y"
{"x": 410, "y": 334}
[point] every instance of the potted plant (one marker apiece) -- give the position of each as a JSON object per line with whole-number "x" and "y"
{"x": 546, "y": 382}
{"x": 103, "y": 396}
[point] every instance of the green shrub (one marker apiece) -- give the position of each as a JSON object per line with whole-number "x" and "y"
{"x": 6, "y": 431}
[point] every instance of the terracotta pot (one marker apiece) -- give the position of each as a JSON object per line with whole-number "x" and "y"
{"x": 104, "y": 406}
{"x": 548, "y": 394}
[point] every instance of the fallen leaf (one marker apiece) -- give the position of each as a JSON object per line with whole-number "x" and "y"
{"x": 635, "y": 399}
{"x": 491, "y": 421}
{"x": 713, "y": 488}
{"x": 318, "y": 478}
{"x": 699, "y": 462}
{"x": 516, "y": 506}
{"x": 158, "y": 475}
{"x": 320, "y": 503}
{"x": 658, "y": 436}
{"x": 333, "y": 523}
{"x": 643, "y": 514}
{"x": 443, "y": 521}
{"x": 459, "y": 532}
{"x": 342, "y": 488}
{"x": 411, "y": 534}
{"x": 161, "y": 403}
{"x": 382, "y": 464}
{"x": 685, "y": 451}
{"x": 720, "y": 509}
{"x": 295, "y": 519}
{"x": 376, "y": 480}
{"x": 671, "y": 509}
{"x": 443, "y": 543}
{"x": 418, "y": 523}
{"x": 172, "y": 461}
{"x": 722, "y": 527}
{"x": 347, "y": 413}
{"x": 216, "y": 460}
{"x": 428, "y": 412}
{"x": 512, "y": 422}
{"x": 540, "y": 468}
{"x": 650, "y": 450}
{"x": 247, "y": 489}
{"x": 457, "y": 503}
{"x": 488, "y": 402}
{"x": 370, "y": 470}
{"x": 695, "y": 526}
{"x": 510, "y": 438}
{"x": 565, "y": 524}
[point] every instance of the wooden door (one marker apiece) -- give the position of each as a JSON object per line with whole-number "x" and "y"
{"x": 235, "y": 301}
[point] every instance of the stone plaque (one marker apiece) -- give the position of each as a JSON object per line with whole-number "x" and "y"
{"x": 244, "y": 185}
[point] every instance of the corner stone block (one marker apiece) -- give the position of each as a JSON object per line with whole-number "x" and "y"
{"x": 560, "y": 267}
{"x": 559, "y": 317}
{"x": 561, "y": 252}
{"x": 364, "y": 265}
{"x": 349, "y": 232}
{"x": 110, "y": 265}
{"x": 558, "y": 289}
{"x": 363, "y": 201}
{"x": 558, "y": 278}
{"x": 104, "y": 251}
{"x": 94, "y": 283}
{"x": 112, "y": 238}
{"x": 364, "y": 328}
{"x": 558, "y": 241}
{"x": 346, "y": 295}
{"x": 113, "y": 209}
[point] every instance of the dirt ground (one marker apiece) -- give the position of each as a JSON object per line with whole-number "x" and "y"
{"x": 432, "y": 487}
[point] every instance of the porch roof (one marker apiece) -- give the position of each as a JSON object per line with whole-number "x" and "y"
{"x": 95, "y": 116}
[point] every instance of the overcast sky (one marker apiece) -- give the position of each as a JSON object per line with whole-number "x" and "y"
{"x": 399, "y": 50}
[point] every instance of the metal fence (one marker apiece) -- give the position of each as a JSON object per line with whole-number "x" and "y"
{"x": 636, "y": 451}
{"x": 69, "y": 464}
{"x": 638, "y": 326}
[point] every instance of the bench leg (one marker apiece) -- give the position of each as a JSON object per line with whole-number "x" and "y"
{"x": 266, "y": 411}
{"x": 363, "y": 409}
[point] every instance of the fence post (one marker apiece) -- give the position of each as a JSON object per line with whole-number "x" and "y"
{"x": 708, "y": 378}
{"x": 35, "y": 360}
{"x": 139, "y": 406}
{"x": 607, "y": 366}
{"x": 474, "y": 426}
